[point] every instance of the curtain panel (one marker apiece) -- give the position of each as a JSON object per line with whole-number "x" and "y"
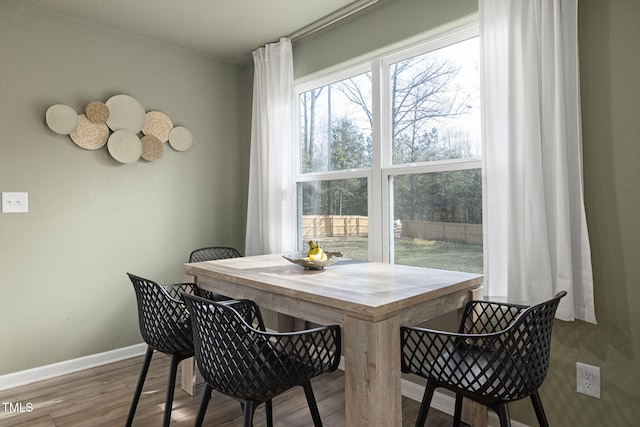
{"x": 271, "y": 222}
{"x": 536, "y": 238}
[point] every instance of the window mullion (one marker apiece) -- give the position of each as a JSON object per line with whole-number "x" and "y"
{"x": 386, "y": 148}
{"x": 376, "y": 185}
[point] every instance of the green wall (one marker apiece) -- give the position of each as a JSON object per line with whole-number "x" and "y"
{"x": 609, "y": 34}
{"x": 63, "y": 289}
{"x": 609, "y": 64}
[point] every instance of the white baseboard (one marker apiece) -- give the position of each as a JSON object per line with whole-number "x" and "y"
{"x": 40, "y": 373}
{"x": 441, "y": 402}
{"x": 444, "y": 403}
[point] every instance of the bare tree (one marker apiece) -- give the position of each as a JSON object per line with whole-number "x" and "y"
{"x": 422, "y": 97}
{"x": 308, "y": 103}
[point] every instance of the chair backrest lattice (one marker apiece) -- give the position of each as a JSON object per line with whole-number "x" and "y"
{"x": 163, "y": 317}
{"x": 213, "y": 253}
{"x": 502, "y": 350}
{"x": 241, "y": 361}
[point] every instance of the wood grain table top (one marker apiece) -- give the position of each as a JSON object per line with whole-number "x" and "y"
{"x": 373, "y": 288}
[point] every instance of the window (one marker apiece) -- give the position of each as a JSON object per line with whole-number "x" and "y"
{"x": 389, "y": 157}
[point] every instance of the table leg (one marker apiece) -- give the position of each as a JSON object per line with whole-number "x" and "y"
{"x": 188, "y": 378}
{"x": 290, "y": 324}
{"x": 373, "y": 395}
{"x": 189, "y": 372}
{"x": 479, "y": 416}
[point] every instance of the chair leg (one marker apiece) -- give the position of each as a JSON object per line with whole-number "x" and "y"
{"x": 138, "y": 392}
{"x": 313, "y": 406}
{"x": 503, "y": 414}
{"x": 426, "y": 403}
{"x": 269, "y": 410}
{"x": 175, "y": 360}
{"x": 537, "y": 406}
{"x": 203, "y": 405}
{"x": 457, "y": 414}
{"x": 249, "y": 409}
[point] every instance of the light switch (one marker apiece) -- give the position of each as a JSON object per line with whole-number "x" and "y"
{"x": 15, "y": 202}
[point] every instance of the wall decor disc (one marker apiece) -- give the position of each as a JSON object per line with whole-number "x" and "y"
{"x": 124, "y": 146}
{"x": 62, "y": 119}
{"x": 180, "y": 138}
{"x": 152, "y": 148}
{"x": 158, "y": 124}
{"x": 125, "y": 113}
{"x": 97, "y": 112}
{"x": 89, "y": 135}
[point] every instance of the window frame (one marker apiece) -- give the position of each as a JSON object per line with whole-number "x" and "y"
{"x": 382, "y": 171}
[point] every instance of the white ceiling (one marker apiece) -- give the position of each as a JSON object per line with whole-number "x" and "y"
{"x": 227, "y": 29}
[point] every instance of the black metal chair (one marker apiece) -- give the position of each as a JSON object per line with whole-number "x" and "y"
{"x": 499, "y": 355}
{"x": 165, "y": 327}
{"x": 213, "y": 253}
{"x": 254, "y": 366}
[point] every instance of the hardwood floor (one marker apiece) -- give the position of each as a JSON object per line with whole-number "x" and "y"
{"x": 100, "y": 397}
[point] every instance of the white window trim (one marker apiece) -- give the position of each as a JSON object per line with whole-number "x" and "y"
{"x": 380, "y": 209}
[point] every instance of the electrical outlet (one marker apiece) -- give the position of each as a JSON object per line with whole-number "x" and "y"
{"x": 15, "y": 202}
{"x": 588, "y": 379}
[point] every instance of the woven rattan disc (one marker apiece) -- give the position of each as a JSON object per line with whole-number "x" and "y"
{"x": 157, "y": 124}
{"x": 89, "y": 135}
{"x": 152, "y": 148}
{"x": 180, "y": 138}
{"x": 97, "y": 112}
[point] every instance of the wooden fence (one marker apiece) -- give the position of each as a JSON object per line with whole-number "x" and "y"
{"x": 318, "y": 226}
{"x": 443, "y": 231}
{"x": 314, "y": 226}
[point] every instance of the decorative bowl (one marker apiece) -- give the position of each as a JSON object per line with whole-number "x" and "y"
{"x": 302, "y": 259}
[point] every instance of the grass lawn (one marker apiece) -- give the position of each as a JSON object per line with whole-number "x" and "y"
{"x": 421, "y": 253}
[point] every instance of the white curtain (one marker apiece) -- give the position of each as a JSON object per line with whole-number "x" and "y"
{"x": 536, "y": 240}
{"x": 271, "y": 223}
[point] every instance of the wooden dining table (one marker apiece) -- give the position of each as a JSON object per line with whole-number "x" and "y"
{"x": 370, "y": 300}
